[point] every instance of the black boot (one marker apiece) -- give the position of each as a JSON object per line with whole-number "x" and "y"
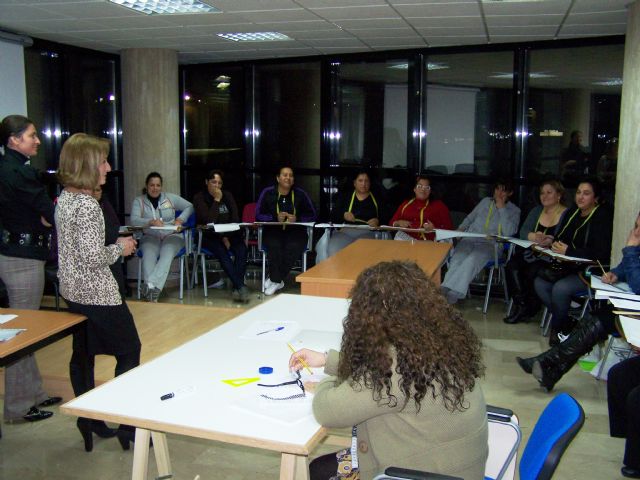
{"x": 516, "y": 312}
{"x": 549, "y": 367}
{"x": 526, "y": 363}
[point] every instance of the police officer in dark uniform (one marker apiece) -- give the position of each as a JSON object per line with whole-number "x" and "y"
{"x": 26, "y": 217}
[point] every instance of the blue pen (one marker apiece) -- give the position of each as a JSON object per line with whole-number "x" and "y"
{"x": 271, "y": 330}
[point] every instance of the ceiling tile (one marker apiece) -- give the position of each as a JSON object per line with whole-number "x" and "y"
{"x": 23, "y": 12}
{"x": 376, "y": 23}
{"x": 416, "y": 42}
{"x": 527, "y": 8}
{"x": 597, "y": 18}
{"x": 385, "y": 33}
{"x": 343, "y": 3}
{"x": 355, "y": 13}
{"x": 517, "y": 38}
{"x": 251, "y": 5}
{"x": 610, "y": 29}
{"x": 439, "y": 10}
{"x": 584, "y": 6}
{"x": 342, "y": 42}
{"x": 448, "y": 22}
{"x": 457, "y": 40}
{"x": 523, "y": 20}
{"x": 279, "y": 16}
{"x": 538, "y": 31}
{"x": 303, "y": 26}
{"x": 92, "y": 10}
{"x": 450, "y": 32}
{"x": 206, "y": 19}
{"x": 144, "y": 21}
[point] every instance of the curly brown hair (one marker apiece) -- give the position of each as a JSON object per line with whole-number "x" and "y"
{"x": 396, "y": 311}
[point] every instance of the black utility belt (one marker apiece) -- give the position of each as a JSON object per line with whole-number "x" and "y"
{"x": 42, "y": 240}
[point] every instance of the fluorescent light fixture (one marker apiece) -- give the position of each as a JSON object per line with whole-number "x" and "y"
{"x": 167, "y": 7}
{"x": 612, "y": 82}
{"x": 255, "y": 37}
{"x": 430, "y": 66}
{"x": 531, "y": 75}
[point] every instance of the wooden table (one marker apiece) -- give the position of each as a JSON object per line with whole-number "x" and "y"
{"x": 42, "y": 328}
{"x": 336, "y": 276}
{"x": 207, "y": 407}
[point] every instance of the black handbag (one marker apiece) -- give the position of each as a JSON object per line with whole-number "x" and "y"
{"x": 555, "y": 271}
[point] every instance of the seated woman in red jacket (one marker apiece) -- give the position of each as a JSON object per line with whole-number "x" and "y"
{"x": 421, "y": 212}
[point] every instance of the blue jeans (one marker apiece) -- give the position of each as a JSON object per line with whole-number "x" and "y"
{"x": 235, "y": 268}
{"x": 557, "y": 297}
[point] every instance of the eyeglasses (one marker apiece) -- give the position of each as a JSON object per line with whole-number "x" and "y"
{"x": 297, "y": 382}
{"x": 423, "y": 187}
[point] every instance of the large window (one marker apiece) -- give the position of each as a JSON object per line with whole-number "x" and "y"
{"x": 469, "y": 114}
{"x": 214, "y": 127}
{"x": 288, "y": 115}
{"x": 573, "y": 90}
{"x": 371, "y": 123}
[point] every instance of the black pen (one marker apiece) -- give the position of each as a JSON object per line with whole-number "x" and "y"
{"x": 167, "y": 396}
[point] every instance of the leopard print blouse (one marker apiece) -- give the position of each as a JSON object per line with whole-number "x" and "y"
{"x": 83, "y": 259}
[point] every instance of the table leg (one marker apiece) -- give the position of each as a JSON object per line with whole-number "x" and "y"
{"x": 294, "y": 467}
{"x": 141, "y": 454}
{"x": 161, "y": 451}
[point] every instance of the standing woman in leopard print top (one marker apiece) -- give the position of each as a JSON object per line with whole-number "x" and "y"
{"x": 86, "y": 281}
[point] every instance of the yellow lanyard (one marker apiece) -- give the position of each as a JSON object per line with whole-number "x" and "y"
{"x": 489, "y": 215}
{"x": 293, "y": 202}
{"x": 421, "y": 214}
{"x": 583, "y": 224}
{"x": 373, "y": 199}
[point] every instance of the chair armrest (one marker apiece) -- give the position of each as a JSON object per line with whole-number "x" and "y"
{"x": 499, "y": 414}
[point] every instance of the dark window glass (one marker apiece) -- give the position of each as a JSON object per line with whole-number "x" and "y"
{"x": 288, "y": 115}
{"x": 371, "y": 127}
{"x": 469, "y": 114}
{"x": 577, "y": 91}
{"x": 214, "y": 113}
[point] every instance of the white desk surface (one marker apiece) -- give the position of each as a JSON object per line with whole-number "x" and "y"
{"x": 213, "y": 409}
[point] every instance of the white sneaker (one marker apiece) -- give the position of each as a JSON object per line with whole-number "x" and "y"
{"x": 267, "y": 283}
{"x": 273, "y": 288}
{"x": 219, "y": 285}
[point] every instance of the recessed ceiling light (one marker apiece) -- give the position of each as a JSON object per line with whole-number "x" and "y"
{"x": 255, "y": 37}
{"x": 612, "y": 82}
{"x": 430, "y": 66}
{"x": 166, "y": 7}
{"x": 531, "y": 75}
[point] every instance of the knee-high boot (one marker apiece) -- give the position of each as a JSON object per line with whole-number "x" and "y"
{"x": 515, "y": 287}
{"x": 549, "y": 367}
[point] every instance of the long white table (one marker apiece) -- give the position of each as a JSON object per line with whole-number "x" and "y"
{"x": 207, "y": 407}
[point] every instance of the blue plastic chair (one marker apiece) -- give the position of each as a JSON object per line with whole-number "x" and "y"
{"x": 558, "y": 424}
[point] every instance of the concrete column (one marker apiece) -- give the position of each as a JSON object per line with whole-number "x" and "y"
{"x": 627, "y": 192}
{"x": 150, "y": 122}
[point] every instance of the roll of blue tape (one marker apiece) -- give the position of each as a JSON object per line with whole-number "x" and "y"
{"x": 265, "y": 370}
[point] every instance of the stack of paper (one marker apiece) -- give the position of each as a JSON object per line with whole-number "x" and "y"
{"x": 627, "y": 305}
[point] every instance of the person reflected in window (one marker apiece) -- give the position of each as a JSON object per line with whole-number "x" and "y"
{"x": 540, "y": 226}
{"x": 575, "y": 159}
{"x": 405, "y": 380}
{"x": 155, "y": 208}
{"x": 217, "y": 206}
{"x": 284, "y": 203}
{"x": 494, "y": 215}
{"x": 585, "y": 232}
{"x": 421, "y": 211}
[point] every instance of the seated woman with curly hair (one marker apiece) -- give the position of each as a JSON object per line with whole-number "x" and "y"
{"x": 405, "y": 381}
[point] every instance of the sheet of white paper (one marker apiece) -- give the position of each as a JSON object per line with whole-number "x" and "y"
{"x": 442, "y": 234}
{"x": 172, "y": 228}
{"x": 9, "y": 333}
{"x": 598, "y": 284}
{"x": 224, "y": 227}
{"x": 6, "y": 318}
{"x": 318, "y": 340}
{"x": 631, "y": 328}
{"x": 623, "y": 303}
{"x": 600, "y": 294}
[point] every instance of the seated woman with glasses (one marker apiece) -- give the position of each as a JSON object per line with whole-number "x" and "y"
{"x": 494, "y": 215}
{"x": 155, "y": 208}
{"x": 357, "y": 207}
{"x": 405, "y": 380}
{"x": 421, "y": 211}
{"x": 214, "y": 205}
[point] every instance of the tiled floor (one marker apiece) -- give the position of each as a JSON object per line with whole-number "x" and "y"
{"x": 52, "y": 449}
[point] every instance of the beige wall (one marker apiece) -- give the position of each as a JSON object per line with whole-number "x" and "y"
{"x": 150, "y": 106}
{"x": 627, "y": 183}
